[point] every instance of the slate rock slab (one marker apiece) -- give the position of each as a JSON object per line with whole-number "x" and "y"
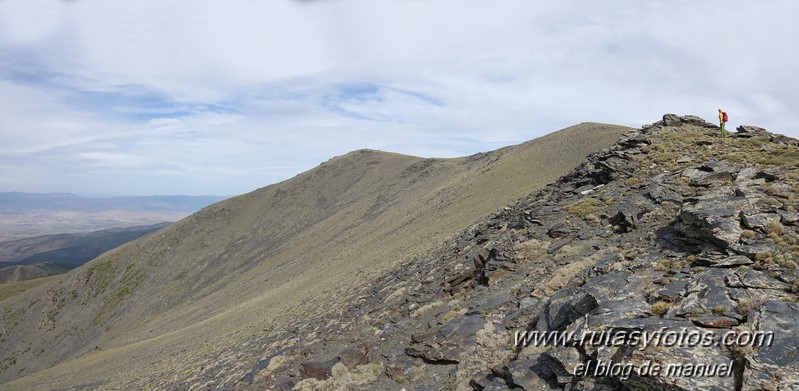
{"x": 775, "y": 366}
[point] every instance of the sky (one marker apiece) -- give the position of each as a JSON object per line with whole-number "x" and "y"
{"x": 220, "y": 98}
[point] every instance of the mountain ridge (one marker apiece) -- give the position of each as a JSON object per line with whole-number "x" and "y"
{"x": 672, "y": 230}
{"x": 257, "y": 258}
{"x": 669, "y": 228}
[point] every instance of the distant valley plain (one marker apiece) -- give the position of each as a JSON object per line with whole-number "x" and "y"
{"x": 25, "y": 215}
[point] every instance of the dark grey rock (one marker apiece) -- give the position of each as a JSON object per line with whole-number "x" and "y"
{"x": 676, "y": 121}
{"x": 735, "y": 260}
{"x": 697, "y": 121}
{"x": 565, "y": 307}
{"x": 627, "y": 216}
{"x": 671, "y": 292}
{"x": 662, "y": 193}
{"x": 750, "y": 130}
{"x": 706, "y": 295}
{"x": 746, "y": 173}
{"x": 710, "y": 178}
{"x": 749, "y": 278}
{"x": 353, "y": 357}
{"x": 753, "y": 219}
{"x": 497, "y": 299}
{"x": 450, "y": 341}
{"x": 774, "y": 365}
{"x": 527, "y": 302}
{"x": 717, "y": 166}
{"x": 533, "y": 373}
{"x": 715, "y": 220}
{"x": 462, "y": 328}
{"x": 782, "y": 190}
{"x": 610, "y": 287}
{"x": 684, "y": 360}
{"x": 554, "y": 247}
{"x": 611, "y": 311}
{"x": 567, "y": 357}
{"x": 789, "y": 218}
{"x": 672, "y": 120}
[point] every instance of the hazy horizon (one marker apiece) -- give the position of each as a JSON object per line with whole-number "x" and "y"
{"x": 117, "y": 195}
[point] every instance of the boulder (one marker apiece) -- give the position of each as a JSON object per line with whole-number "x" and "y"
{"x": 672, "y": 120}
{"x": 676, "y": 120}
{"x": 718, "y": 225}
{"x": 749, "y": 130}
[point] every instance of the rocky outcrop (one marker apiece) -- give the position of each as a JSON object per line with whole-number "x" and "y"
{"x": 673, "y": 120}
{"x": 663, "y": 263}
{"x": 750, "y": 131}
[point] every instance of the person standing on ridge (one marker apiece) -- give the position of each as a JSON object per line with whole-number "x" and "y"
{"x": 722, "y": 121}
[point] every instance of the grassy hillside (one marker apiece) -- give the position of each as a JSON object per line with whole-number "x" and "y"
{"x": 156, "y": 310}
{"x": 13, "y": 288}
{"x": 16, "y": 273}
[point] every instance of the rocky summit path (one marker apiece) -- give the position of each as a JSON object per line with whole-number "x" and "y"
{"x": 667, "y": 262}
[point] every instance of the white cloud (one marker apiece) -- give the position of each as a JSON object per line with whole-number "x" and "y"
{"x": 208, "y": 97}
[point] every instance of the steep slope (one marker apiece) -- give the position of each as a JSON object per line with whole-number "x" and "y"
{"x": 668, "y": 262}
{"x": 173, "y": 307}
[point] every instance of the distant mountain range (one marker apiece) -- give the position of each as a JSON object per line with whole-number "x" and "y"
{"x": 24, "y": 215}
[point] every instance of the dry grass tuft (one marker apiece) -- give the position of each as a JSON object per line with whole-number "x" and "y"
{"x": 660, "y": 308}
{"x": 532, "y": 248}
{"x": 744, "y": 307}
{"x": 583, "y": 208}
{"x": 774, "y": 228}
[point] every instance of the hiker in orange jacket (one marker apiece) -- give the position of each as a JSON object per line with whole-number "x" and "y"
{"x": 722, "y": 121}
